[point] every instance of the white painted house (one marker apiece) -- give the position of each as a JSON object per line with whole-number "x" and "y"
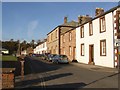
{"x": 24, "y": 52}
{"x": 95, "y": 39}
{"x": 41, "y": 48}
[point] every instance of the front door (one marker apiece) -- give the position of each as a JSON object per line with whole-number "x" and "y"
{"x": 74, "y": 53}
{"x": 91, "y": 54}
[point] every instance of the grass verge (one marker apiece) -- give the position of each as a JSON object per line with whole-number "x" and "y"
{"x": 8, "y": 58}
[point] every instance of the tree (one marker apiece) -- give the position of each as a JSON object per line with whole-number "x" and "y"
{"x": 32, "y": 43}
{"x": 24, "y": 45}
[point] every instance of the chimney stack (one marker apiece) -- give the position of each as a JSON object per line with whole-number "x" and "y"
{"x": 65, "y": 19}
{"x": 99, "y": 11}
{"x": 79, "y": 19}
{"x": 83, "y": 18}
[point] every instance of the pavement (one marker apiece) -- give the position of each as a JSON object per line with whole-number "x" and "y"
{"x": 95, "y": 67}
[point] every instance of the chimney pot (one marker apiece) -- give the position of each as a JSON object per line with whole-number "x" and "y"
{"x": 65, "y": 19}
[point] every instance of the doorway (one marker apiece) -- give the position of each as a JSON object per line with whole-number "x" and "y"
{"x": 91, "y": 54}
{"x": 74, "y": 53}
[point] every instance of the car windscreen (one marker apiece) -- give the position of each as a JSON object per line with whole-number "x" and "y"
{"x": 63, "y": 56}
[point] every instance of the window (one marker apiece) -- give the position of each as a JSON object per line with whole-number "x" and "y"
{"x": 70, "y": 50}
{"x": 56, "y": 33}
{"x": 43, "y": 45}
{"x": 102, "y": 25}
{"x": 90, "y": 29}
{"x": 102, "y": 47}
{"x": 51, "y": 36}
{"x": 63, "y": 50}
{"x": 82, "y": 32}
{"x": 70, "y": 36}
{"x": 82, "y": 49}
{"x": 63, "y": 38}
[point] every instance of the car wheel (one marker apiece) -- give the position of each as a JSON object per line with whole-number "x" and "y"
{"x": 57, "y": 62}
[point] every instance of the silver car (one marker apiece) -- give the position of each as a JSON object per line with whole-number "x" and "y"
{"x": 50, "y": 57}
{"x": 60, "y": 59}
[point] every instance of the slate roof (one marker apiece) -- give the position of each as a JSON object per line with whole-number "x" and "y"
{"x": 111, "y": 10}
{"x": 64, "y": 27}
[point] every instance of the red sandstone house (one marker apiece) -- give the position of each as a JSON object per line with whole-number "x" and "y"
{"x": 68, "y": 37}
{"x": 53, "y": 37}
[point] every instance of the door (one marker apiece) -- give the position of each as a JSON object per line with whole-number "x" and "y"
{"x": 91, "y": 54}
{"x": 74, "y": 53}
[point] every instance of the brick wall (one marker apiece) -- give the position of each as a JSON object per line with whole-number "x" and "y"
{"x": 67, "y": 44}
{"x": 53, "y": 42}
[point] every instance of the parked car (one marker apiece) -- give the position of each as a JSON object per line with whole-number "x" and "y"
{"x": 60, "y": 59}
{"x": 50, "y": 57}
{"x": 43, "y": 56}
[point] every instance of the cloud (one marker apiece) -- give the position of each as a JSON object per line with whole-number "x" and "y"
{"x": 31, "y": 28}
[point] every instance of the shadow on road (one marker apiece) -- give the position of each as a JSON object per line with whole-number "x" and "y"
{"x": 30, "y": 83}
{"x": 68, "y": 86}
{"x": 33, "y": 65}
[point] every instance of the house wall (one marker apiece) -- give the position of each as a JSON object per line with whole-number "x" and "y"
{"x": 107, "y": 60}
{"x": 66, "y": 44}
{"x": 40, "y": 49}
{"x": 116, "y": 15}
{"x": 5, "y": 51}
{"x": 23, "y": 52}
{"x": 53, "y": 42}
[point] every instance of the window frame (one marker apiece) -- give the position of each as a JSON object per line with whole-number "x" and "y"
{"x": 70, "y": 36}
{"x": 90, "y": 28}
{"x": 82, "y": 31}
{"x": 56, "y": 34}
{"x": 102, "y": 48}
{"x": 63, "y": 37}
{"x": 101, "y": 19}
{"x": 82, "y": 49}
{"x": 51, "y": 36}
{"x": 70, "y": 50}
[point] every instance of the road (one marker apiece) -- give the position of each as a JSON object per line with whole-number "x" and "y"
{"x": 44, "y": 75}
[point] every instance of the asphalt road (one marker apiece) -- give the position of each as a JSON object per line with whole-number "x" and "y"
{"x": 40, "y": 74}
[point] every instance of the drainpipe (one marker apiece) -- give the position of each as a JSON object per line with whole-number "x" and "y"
{"x": 113, "y": 40}
{"x": 59, "y": 40}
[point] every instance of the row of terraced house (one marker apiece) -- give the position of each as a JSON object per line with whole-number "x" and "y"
{"x": 89, "y": 40}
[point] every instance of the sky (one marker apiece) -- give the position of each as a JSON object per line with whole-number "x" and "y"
{"x": 34, "y": 20}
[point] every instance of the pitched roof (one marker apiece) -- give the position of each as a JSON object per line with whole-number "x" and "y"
{"x": 68, "y": 26}
{"x": 64, "y": 27}
{"x": 71, "y": 24}
{"x": 111, "y": 10}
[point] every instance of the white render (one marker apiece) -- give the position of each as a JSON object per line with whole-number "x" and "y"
{"x": 40, "y": 49}
{"x": 109, "y": 59}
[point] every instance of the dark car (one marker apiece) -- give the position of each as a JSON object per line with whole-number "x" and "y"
{"x": 43, "y": 56}
{"x": 60, "y": 59}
